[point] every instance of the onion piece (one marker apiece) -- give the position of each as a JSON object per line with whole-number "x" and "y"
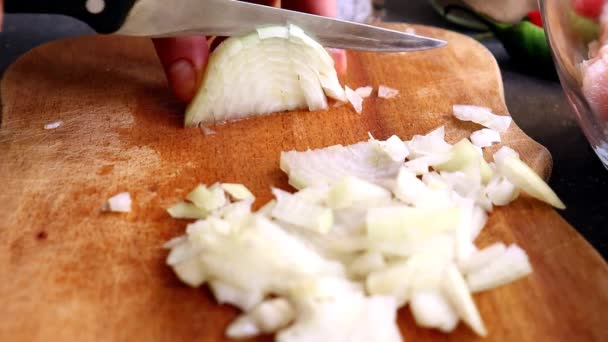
{"x": 343, "y": 316}
{"x": 456, "y": 290}
{"x": 464, "y": 155}
{"x": 354, "y": 192}
{"x": 508, "y": 267}
{"x": 364, "y": 91}
{"x": 391, "y": 281}
{"x": 393, "y": 147}
{"x": 53, "y": 125}
{"x": 366, "y": 263}
{"x": 306, "y": 215}
{"x": 410, "y": 223}
{"x": 482, "y": 116}
{"x": 500, "y": 190}
{"x": 387, "y": 92}
{"x": 520, "y": 174}
{"x": 485, "y": 137}
{"x": 120, "y": 203}
{"x": 272, "y": 315}
{"x": 431, "y": 310}
{"x": 184, "y": 210}
{"x": 431, "y": 145}
{"x": 354, "y": 98}
{"x": 208, "y": 198}
{"x": 331, "y": 164}
{"x": 242, "y": 327}
{"x": 190, "y": 272}
{"x": 413, "y": 191}
{"x": 237, "y": 191}
{"x": 482, "y": 258}
{"x": 225, "y": 293}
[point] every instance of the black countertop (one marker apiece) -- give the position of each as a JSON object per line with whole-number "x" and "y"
{"x": 538, "y": 106}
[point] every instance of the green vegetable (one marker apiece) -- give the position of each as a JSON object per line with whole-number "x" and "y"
{"x": 525, "y": 42}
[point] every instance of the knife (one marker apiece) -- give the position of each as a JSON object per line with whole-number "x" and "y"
{"x": 169, "y": 18}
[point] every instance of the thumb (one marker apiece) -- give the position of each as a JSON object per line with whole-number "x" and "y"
{"x": 183, "y": 60}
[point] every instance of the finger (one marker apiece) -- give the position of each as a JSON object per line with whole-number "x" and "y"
{"x": 328, "y": 8}
{"x": 340, "y": 60}
{"x": 183, "y": 59}
{"x": 1, "y": 13}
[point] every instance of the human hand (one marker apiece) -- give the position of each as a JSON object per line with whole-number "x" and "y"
{"x": 184, "y": 58}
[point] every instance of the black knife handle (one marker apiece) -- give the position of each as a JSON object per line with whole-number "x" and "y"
{"x": 104, "y": 16}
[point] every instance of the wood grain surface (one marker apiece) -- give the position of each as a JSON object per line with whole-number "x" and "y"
{"x": 69, "y": 272}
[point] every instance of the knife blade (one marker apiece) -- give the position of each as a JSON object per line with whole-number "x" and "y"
{"x": 231, "y": 17}
{"x": 163, "y": 18}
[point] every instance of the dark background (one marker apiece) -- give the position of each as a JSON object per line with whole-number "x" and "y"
{"x": 537, "y": 105}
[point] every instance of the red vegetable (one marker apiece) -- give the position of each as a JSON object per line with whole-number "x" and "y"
{"x": 588, "y": 8}
{"x": 535, "y": 18}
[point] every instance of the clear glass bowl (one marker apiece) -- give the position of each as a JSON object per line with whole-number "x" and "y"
{"x": 569, "y": 36}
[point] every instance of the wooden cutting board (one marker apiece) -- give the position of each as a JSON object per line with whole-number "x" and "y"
{"x": 70, "y": 272}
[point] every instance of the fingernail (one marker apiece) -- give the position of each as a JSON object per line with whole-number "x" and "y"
{"x": 182, "y": 78}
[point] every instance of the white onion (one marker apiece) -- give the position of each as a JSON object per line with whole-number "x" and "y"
{"x": 243, "y": 299}
{"x": 364, "y": 91}
{"x": 456, "y": 290}
{"x": 272, "y": 315}
{"x": 208, "y": 198}
{"x": 500, "y": 191}
{"x": 354, "y": 98}
{"x": 366, "y": 263}
{"x": 387, "y": 92}
{"x": 520, "y": 174}
{"x": 485, "y": 137}
{"x": 237, "y": 191}
{"x": 331, "y": 164}
{"x": 184, "y": 210}
{"x": 507, "y": 267}
{"x": 483, "y": 257}
{"x": 300, "y": 213}
{"x": 242, "y": 327}
{"x": 394, "y": 148}
{"x": 119, "y": 203}
{"x": 271, "y": 70}
{"x": 410, "y": 223}
{"x": 344, "y": 252}
{"x": 354, "y": 192}
{"x": 53, "y": 125}
{"x": 431, "y": 310}
{"x": 482, "y": 116}
{"x": 432, "y": 145}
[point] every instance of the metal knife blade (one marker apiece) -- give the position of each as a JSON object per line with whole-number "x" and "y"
{"x": 162, "y": 18}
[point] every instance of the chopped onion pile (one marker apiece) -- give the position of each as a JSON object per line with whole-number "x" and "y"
{"x": 120, "y": 203}
{"x": 366, "y": 234}
{"x": 274, "y": 69}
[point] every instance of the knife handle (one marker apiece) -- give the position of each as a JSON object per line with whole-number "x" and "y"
{"x": 104, "y": 16}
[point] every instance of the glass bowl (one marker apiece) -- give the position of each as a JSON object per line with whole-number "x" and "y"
{"x": 585, "y": 83}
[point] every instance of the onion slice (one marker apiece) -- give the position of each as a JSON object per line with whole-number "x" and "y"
{"x": 274, "y": 69}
